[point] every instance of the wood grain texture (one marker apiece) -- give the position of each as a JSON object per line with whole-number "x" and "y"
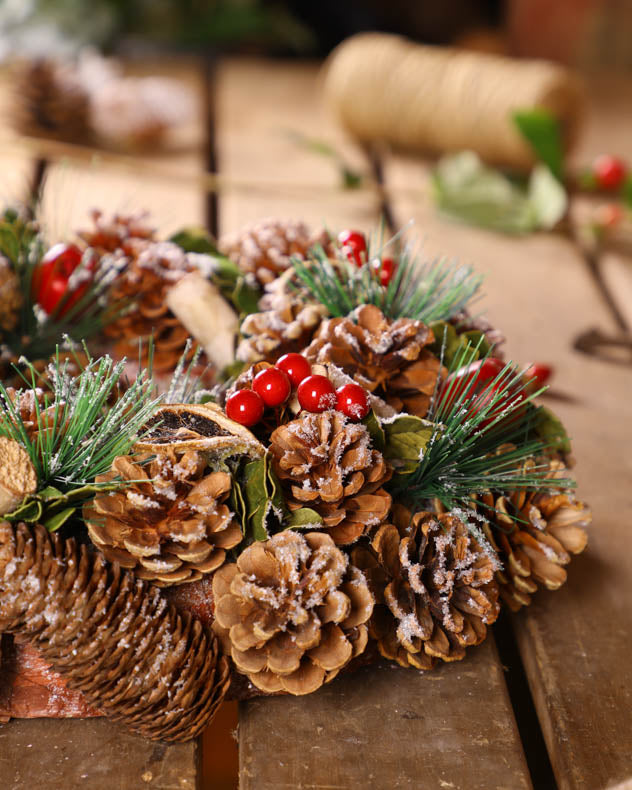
{"x": 381, "y": 727}
{"x": 94, "y": 754}
{"x": 387, "y": 727}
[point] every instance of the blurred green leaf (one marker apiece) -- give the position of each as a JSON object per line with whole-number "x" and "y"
{"x": 541, "y": 130}
{"x": 547, "y": 197}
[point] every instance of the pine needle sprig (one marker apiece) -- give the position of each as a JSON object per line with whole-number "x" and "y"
{"x": 78, "y": 434}
{"x": 432, "y": 291}
{"x": 480, "y": 442}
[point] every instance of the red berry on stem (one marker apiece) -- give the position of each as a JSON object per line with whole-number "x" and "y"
{"x": 609, "y": 172}
{"x": 385, "y": 269}
{"x": 245, "y": 407}
{"x": 316, "y": 393}
{"x": 353, "y": 245}
{"x": 295, "y": 366}
{"x": 49, "y": 285}
{"x": 353, "y": 401}
{"x": 273, "y": 386}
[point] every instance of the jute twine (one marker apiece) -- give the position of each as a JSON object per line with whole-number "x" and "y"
{"x": 435, "y": 100}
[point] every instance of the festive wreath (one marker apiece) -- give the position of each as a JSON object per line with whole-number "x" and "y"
{"x": 368, "y": 478}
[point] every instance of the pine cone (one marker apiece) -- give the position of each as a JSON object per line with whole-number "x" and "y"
{"x": 18, "y": 477}
{"x": 24, "y": 404}
{"x": 438, "y": 592}
{"x": 385, "y": 357}
{"x": 535, "y": 532}
{"x": 155, "y": 267}
{"x": 118, "y": 232}
{"x": 11, "y": 298}
{"x": 272, "y": 333}
{"x": 264, "y": 250}
{"x": 110, "y": 636}
{"x": 327, "y": 463}
{"x": 49, "y": 101}
{"x": 292, "y": 611}
{"x": 172, "y": 527}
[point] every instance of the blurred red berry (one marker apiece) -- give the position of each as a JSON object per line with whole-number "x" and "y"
{"x": 385, "y": 268}
{"x": 353, "y": 245}
{"x": 50, "y": 281}
{"x": 609, "y": 172}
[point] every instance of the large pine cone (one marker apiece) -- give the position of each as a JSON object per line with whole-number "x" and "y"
{"x": 110, "y": 636}
{"x": 292, "y": 611}
{"x": 118, "y": 232}
{"x": 171, "y": 527}
{"x": 385, "y": 357}
{"x": 154, "y": 268}
{"x": 327, "y": 463}
{"x": 11, "y": 298}
{"x": 264, "y": 250}
{"x": 534, "y": 533}
{"x": 438, "y": 589}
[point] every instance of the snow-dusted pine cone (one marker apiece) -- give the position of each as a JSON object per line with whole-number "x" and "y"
{"x": 535, "y": 533}
{"x": 11, "y": 298}
{"x": 264, "y": 249}
{"x": 435, "y": 586}
{"x": 117, "y": 232}
{"x": 172, "y": 524}
{"x": 327, "y": 463}
{"x": 292, "y": 611}
{"x": 386, "y": 357}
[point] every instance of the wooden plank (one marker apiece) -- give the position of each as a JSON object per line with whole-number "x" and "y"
{"x": 387, "y": 727}
{"x": 574, "y": 643}
{"x": 383, "y": 726}
{"x": 96, "y": 754}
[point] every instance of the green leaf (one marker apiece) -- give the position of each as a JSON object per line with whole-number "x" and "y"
{"x": 9, "y": 244}
{"x": 238, "y": 504}
{"x": 450, "y": 343}
{"x": 541, "y": 130}
{"x": 552, "y": 431}
{"x": 30, "y": 511}
{"x": 256, "y": 498}
{"x": 245, "y": 297}
{"x": 54, "y": 522}
{"x": 406, "y": 440}
{"x": 376, "y": 431}
{"x": 303, "y": 517}
{"x": 195, "y": 240}
{"x": 547, "y": 197}
{"x": 626, "y": 192}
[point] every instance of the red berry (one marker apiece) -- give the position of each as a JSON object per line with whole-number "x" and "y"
{"x": 273, "y": 386}
{"x": 471, "y": 378}
{"x": 609, "y": 172}
{"x": 353, "y": 245}
{"x": 385, "y": 268}
{"x": 296, "y": 367}
{"x": 245, "y": 407}
{"x": 538, "y": 373}
{"x": 316, "y": 393}
{"x": 49, "y": 285}
{"x": 353, "y": 401}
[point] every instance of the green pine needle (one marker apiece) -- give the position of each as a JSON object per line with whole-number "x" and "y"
{"x": 85, "y": 434}
{"x": 463, "y": 456}
{"x": 434, "y": 291}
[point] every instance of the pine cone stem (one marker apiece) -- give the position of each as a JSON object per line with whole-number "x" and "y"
{"x": 110, "y": 636}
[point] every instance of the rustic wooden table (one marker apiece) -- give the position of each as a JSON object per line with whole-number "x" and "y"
{"x": 553, "y": 682}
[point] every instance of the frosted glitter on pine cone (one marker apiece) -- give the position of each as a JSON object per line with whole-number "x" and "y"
{"x": 117, "y": 232}
{"x": 328, "y": 464}
{"x": 534, "y": 533}
{"x": 386, "y": 357}
{"x": 11, "y": 298}
{"x": 434, "y": 585}
{"x": 292, "y": 611}
{"x": 264, "y": 249}
{"x": 110, "y": 636}
{"x": 171, "y": 524}
{"x": 30, "y": 406}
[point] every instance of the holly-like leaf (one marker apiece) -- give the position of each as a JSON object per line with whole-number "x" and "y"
{"x": 245, "y": 297}
{"x": 406, "y": 438}
{"x": 57, "y": 520}
{"x": 551, "y": 430}
{"x": 378, "y": 437}
{"x": 195, "y": 240}
{"x": 256, "y": 498}
{"x": 303, "y": 518}
{"x": 541, "y": 130}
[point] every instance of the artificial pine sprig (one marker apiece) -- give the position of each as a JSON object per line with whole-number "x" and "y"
{"x": 480, "y": 441}
{"x": 434, "y": 291}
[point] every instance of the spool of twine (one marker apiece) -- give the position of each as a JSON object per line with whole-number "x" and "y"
{"x": 435, "y": 100}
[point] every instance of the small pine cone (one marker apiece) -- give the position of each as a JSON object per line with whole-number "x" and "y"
{"x": 118, "y": 232}
{"x": 155, "y": 267}
{"x": 292, "y": 611}
{"x": 11, "y": 298}
{"x": 264, "y": 250}
{"x": 110, "y": 636}
{"x": 272, "y": 333}
{"x": 385, "y": 357}
{"x": 435, "y": 586}
{"x": 26, "y": 404}
{"x": 173, "y": 525}
{"x": 537, "y": 531}
{"x": 327, "y": 463}
{"x": 49, "y": 101}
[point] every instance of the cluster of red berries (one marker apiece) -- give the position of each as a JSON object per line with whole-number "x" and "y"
{"x": 272, "y": 387}
{"x": 50, "y": 284}
{"x": 353, "y": 245}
